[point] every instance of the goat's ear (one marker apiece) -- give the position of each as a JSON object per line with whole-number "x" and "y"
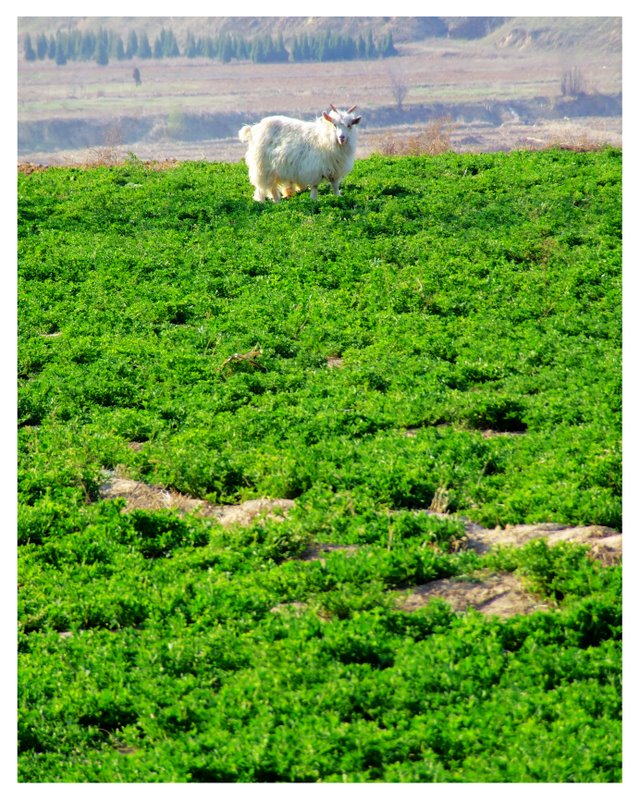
{"x": 327, "y": 117}
{"x": 355, "y": 120}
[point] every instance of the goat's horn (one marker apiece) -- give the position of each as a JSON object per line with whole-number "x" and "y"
{"x": 353, "y": 108}
{"x": 332, "y": 106}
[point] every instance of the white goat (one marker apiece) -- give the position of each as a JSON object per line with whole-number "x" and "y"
{"x": 286, "y": 155}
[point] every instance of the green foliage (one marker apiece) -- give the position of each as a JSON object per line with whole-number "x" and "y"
{"x": 448, "y": 328}
{"x": 30, "y": 54}
{"x": 100, "y": 45}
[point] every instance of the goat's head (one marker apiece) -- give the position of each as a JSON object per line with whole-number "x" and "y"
{"x": 342, "y": 121}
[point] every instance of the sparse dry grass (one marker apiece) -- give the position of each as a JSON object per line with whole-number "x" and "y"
{"x": 107, "y": 156}
{"x": 101, "y": 157}
{"x": 110, "y": 154}
{"x": 440, "y": 501}
{"x": 433, "y": 140}
{"x": 582, "y": 143}
{"x": 575, "y": 140}
{"x": 27, "y": 168}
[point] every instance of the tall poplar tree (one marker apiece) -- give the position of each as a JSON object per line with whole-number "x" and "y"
{"x": 29, "y": 51}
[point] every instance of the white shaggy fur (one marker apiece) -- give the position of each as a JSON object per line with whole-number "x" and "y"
{"x": 286, "y": 155}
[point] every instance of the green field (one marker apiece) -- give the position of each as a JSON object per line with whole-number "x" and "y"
{"x": 449, "y": 327}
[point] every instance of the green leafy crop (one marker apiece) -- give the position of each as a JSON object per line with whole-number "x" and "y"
{"x": 445, "y": 334}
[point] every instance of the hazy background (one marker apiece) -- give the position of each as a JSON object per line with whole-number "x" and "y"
{"x": 469, "y": 83}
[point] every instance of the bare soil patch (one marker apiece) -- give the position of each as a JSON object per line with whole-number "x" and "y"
{"x": 495, "y": 594}
{"x": 138, "y": 495}
{"x": 316, "y": 552}
{"x": 604, "y": 543}
{"x": 502, "y": 594}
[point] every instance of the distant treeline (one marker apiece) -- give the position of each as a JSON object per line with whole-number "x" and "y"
{"x": 103, "y": 46}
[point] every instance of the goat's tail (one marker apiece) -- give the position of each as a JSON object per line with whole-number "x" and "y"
{"x": 244, "y": 133}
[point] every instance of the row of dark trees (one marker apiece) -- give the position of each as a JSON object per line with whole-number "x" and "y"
{"x": 330, "y": 47}
{"x": 102, "y": 46}
{"x": 99, "y": 46}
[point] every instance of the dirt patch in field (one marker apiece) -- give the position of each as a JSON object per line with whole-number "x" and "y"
{"x": 497, "y": 594}
{"x": 605, "y": 543}
{"x": 138, "y": 495}
{"x": 503, "y": 594}
{"x": 316, "y": 552}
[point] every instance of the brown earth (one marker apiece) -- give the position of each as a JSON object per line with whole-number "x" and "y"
{"x": 139, "y": 495}
{"x": 494, "y": 594}
{"x": 605, "y": 543}
{"x": 502, "y": 595}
